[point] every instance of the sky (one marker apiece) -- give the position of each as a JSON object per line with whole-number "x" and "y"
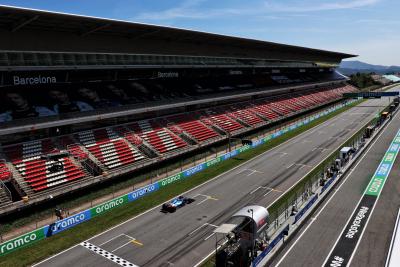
{"x": 368, "y": 28}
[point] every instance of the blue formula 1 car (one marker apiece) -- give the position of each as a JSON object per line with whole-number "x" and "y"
{"x": 176, "y": 203}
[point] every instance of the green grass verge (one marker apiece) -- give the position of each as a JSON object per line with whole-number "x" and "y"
{"x": 50, "y": 246}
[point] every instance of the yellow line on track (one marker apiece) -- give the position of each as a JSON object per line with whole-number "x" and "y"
{"x": 136, "y": 242}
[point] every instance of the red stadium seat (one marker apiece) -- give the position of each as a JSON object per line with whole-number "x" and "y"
{"x": 160, "y": 138}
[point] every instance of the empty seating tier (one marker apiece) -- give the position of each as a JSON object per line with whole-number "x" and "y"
{"x": 108, "y": 147}
{"x": 194, "y": 128}
{"x": 115, "y": 153}
{"x": 213, "y": 117}
{"x": 73, "y": 148}
{"x": 246, "y": 115}
{"x": 157, "y": 136}
{"x": 42, "y": 174}
{"x": 29, "y": 151}
{"x": 265, "y": 111}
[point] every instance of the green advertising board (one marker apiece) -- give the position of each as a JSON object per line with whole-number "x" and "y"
{"x": 171, "y": 179}
{"x": 21, "y": 241}
{"x": 382, "y": 173}
{"x": 214, "y": 161}
{"x": 267, "y": 138}
{"x": 109, "y": 205}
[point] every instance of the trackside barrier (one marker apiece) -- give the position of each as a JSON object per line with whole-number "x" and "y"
{"x": 327, "y": 184}
{"x": 76, "y": 219}
{"x": 271, "y": 246}
{"x": 300, "y": 214}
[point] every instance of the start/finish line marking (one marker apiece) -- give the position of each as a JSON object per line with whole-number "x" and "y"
{"x": 107, "y": 255}
{"x": 346, "y": 244}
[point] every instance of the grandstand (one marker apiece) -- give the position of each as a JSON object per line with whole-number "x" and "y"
{"x": 90, "y": 97}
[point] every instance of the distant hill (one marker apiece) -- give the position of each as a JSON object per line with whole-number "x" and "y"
{"x": 351, "y": 67}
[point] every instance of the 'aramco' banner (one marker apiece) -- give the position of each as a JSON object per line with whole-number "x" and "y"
{"x": 113, "y": 203}
{"x": 22, "y": 241}
{"x": 375, "y": 186}
{"x": 169, "y": 180}
{"x": 141, "y": 192}
{"x": 86, "y": 215}
{"x": 66, "y": 223}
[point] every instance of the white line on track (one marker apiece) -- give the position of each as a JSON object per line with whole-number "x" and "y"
{"x": 287, "y": 167}
{"x": 204, "y": 200}
{"x": 260, "y": 187}
{"x": 205, "y": 239}
{"x": 127, "y": 243}
{"x": 268, "y": 192}
{"x": 201, "y": 226}
{"x": 129, "y": 236}
{"x": 331, "y": 197}
{"x": 250, "y": 170}
{"x": 122, "y": 246}
{"x": 195, "y": 230}
{"x": 115, "y": 237}
{"x": 251, "y": 173}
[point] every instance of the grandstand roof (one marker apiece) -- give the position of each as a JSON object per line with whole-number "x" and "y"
{"x": 36, "y": 30}
{"x": 392, "y": 78}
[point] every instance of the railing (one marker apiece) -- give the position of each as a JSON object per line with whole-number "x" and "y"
{"x": 6, "y": 190}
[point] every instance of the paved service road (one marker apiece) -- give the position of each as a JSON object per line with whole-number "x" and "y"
{"x": 185, "y": 237}
{"x": 312, "y": 245}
